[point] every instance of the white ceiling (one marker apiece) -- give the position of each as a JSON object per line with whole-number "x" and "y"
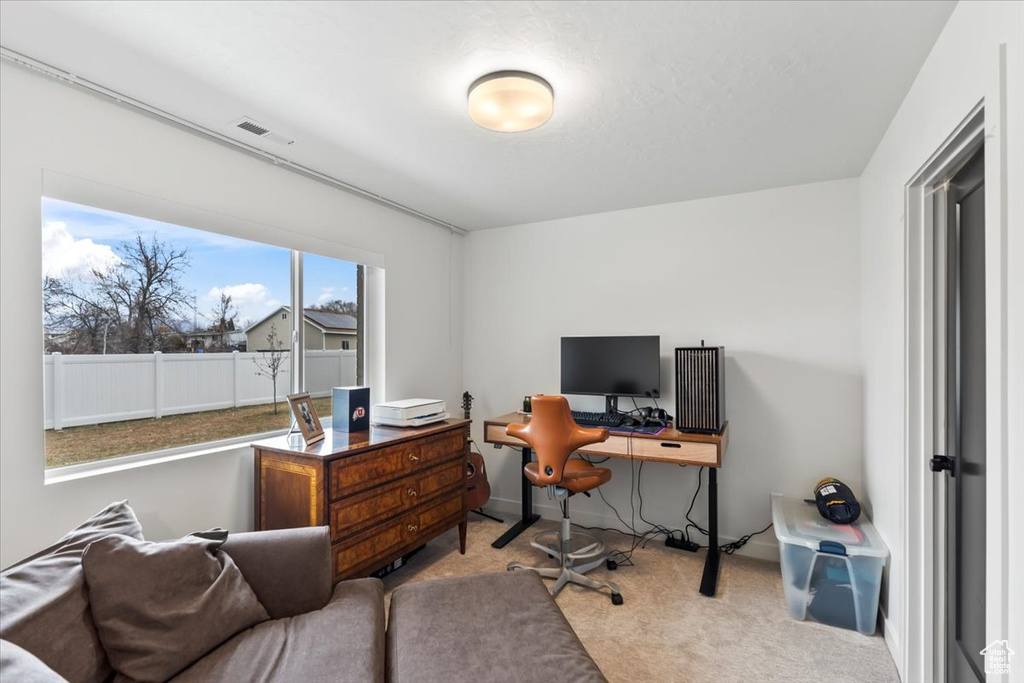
{"x": 654, "y": 101}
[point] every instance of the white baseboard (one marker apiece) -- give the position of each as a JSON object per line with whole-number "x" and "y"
{"x": 759, "y": 548}
{"x": 892, "y": 642}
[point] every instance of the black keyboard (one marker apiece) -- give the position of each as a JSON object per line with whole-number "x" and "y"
{"x": 586, "y": 419}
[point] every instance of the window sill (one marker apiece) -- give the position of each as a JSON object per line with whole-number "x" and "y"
{"x": 57, "y": 475}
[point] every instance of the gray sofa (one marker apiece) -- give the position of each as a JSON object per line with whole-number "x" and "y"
{"x": 497, "y": 627}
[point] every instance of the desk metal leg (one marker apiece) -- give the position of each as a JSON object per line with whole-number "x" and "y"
{"x": 709, "y": 582}
{"x": 528, "y": 517}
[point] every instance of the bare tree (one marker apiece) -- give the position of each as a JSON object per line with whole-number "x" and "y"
{"x": 337, "y": 306}
{"x": 75, "y": 321}
{"x": 136, "y": 305}
{"x": 224, "y": 316}
{"x": 269, "y": 363}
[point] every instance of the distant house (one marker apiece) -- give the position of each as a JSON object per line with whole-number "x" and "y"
{"x": 201, "y": 341}
{"x": 324, "y": 331}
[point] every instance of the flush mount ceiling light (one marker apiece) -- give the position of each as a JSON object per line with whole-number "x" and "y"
{"x": 510, "y": 101}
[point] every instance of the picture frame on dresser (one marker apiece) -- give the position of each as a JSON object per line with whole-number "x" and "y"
{"x": 304, "y": 413}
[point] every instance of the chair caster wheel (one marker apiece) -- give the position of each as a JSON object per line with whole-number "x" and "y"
{"x": 616, "y": 598}
{"x": 612, "y": 566}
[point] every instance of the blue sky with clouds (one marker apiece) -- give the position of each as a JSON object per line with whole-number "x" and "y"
{"x": 79, "y": 238}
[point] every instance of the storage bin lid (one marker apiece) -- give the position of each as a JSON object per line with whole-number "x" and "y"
{"x": 799, "y": 523}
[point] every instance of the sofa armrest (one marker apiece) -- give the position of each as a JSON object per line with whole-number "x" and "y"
{"x": 288, "y": 569}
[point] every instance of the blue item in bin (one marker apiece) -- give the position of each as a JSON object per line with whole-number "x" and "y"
{"x": 832, "y": 599}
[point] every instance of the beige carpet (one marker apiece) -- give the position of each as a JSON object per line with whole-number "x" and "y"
{"x": 666, "y": 630}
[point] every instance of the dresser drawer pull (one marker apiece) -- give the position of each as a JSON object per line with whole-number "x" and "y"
{"x": 411, "y": 492}
{"x": 670, "y": 445}
{"x": 413, "y": 457}
{"x": 413, "y": 527}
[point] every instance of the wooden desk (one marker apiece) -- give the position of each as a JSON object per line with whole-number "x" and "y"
{"x": 671, "y": 446}
{"x": 383, "y": 492}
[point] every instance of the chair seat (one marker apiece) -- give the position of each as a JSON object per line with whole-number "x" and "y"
{"x": 578, "y": 476}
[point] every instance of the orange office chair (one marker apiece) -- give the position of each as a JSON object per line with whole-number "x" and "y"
{"x": 554, "y": 436}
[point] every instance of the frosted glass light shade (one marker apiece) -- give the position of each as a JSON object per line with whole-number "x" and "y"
{"x": 511, "y": 101}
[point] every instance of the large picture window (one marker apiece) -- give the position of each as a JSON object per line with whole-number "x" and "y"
{"x": 161, "y": 336}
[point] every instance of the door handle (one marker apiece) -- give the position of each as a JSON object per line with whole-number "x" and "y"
{"x": 940, "y": 463}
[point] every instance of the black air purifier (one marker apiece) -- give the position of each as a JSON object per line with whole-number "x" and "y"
{"x": 700, "y": 389}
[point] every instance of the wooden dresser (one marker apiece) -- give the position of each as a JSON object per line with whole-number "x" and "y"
{"x": 383, "y": 492}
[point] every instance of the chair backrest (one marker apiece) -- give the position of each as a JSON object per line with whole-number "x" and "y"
{"x": 554, "y": 436}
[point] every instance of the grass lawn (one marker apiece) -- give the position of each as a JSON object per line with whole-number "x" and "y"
{"x": 74, "y": 445}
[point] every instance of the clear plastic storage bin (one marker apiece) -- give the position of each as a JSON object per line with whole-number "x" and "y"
{"x": 831, "y": 571}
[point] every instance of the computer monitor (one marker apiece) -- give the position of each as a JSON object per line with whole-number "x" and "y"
{"x": 611, "y": 367}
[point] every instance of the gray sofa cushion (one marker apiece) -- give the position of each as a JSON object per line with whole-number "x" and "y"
{"x": 18, "y": 664}
{"x": 343, "y": 642}
{"x": 161, "y": 606}
{"x": 489, "y": 627}
{"x": 44, "y": 606}
{"x": 288, "y": 569}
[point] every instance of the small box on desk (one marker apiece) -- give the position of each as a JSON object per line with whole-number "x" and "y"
{"x": 350, "y": 409}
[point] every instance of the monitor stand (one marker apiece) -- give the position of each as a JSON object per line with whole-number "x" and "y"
{"x": 611, "y": 405}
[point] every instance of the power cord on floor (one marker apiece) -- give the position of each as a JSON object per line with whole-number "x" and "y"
{"x": 641, "y": 538}
{"x": 730, "y": 548}
{"x": 727, "y": 548}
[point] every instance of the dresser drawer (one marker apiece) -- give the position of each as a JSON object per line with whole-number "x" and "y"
{"x": 359, "y": 472}
{"x": 444, "y": 446}
{"x": 378, "y": 545}
{"x": 355, "y": 513}
{"x": 372, "y": 468}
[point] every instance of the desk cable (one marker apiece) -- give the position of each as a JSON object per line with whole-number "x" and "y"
{"x": 641, "y": 538}
{"x": 638, "y": 538}
{"x": 727, "y": 548}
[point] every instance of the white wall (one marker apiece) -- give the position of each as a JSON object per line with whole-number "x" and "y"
{"x": 772, "y": 276}
{"x": 47, "y": 125}
{"x": 962, "y": 70}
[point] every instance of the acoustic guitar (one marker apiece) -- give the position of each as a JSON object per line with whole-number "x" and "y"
{"x": 478, "y": 489}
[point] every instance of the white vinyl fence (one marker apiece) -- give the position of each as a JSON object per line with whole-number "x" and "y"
{"x": 92, "y": 389}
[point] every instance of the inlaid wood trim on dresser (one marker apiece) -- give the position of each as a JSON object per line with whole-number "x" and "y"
{"x": 300, "y": 485}
{"x": 382, "y": 492}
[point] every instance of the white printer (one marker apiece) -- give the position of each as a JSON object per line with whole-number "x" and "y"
{"x": 410, "y": 412}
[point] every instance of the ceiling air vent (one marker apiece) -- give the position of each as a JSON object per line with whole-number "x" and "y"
{"x": 253, "y": 128}
{"x": 256, "y": 128}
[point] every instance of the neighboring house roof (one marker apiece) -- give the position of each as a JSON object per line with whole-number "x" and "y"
{"x": 331, "y": 323}
{"x": 267, "y": 316}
